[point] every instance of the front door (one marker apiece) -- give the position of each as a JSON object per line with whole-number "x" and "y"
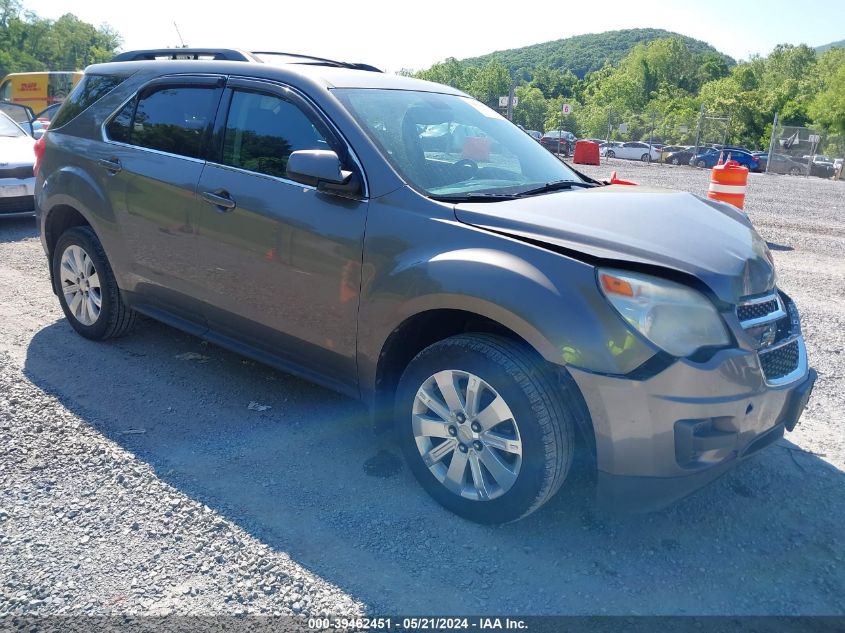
{"x": 281, "y": 260}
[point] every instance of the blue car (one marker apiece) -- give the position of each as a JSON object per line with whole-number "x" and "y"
{"x": 710, "y": 157}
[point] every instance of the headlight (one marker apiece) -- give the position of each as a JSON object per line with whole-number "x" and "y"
{"x": 674, "y": 317}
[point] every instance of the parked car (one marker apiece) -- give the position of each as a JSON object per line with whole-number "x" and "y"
{"x": 559, "y": 142}
{"x": 536, "y": 135}
{"x": 634, "y": 150}
{"x": 819, "y": 166}
{"x": 781, "y": 164}
{"x": 680, "y": 157}
{"x": 16, "y": 161}
{"x": 709, "y": 158}
{"x": 34, "y": 124}
{"x": 488, "y": 303}
{"x": 670, "y": 149}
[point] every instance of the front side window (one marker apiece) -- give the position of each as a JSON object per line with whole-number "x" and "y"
{"x": 262, "y": 130}
{"x": 173, "y": 120}
{"x": 452, "y": 146}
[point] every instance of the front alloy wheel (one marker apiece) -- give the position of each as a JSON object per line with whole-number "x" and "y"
{"x": 486, "y": 426}
{"x": 466, "y": 435}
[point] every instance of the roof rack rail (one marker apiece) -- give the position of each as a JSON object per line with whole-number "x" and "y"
{"x": 231, "y": 54}
{"x": 321, "y": 60}
{"x": 228, "y": 54}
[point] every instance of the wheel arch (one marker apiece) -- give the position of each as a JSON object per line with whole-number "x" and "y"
{"x": 427, "y": 327}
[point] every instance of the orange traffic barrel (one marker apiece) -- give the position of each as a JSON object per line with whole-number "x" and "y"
{"x": 586, "y": 153}
{"x": 728, "y": 182}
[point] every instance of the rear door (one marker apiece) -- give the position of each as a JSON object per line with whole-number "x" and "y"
{"x": 156, "y": 144}
{"x": 281, "y": 262}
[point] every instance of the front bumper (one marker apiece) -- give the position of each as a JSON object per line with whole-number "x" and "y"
{"x": 17, "y": 197}
{"x": 657, "y": 440}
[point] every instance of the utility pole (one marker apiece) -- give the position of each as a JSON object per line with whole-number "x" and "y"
{"x": 510, "y": 102}
{"x": 698, "y": 131}
{"x": 772, "y": 141}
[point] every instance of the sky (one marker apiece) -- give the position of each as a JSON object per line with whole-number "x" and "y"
{"x": 415, "y": 34}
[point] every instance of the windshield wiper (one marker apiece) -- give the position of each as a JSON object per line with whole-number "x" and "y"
{"x": 478, "y": 197}
{"x": 556, "y": 186}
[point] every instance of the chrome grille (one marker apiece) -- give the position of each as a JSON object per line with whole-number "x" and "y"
{"x": 750, "y": 311}
{"x": 772, "y": 322}
{"x": 756, "y": 311}
{"x": 780, "y": 361}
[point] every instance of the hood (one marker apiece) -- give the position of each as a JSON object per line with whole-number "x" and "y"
{"x": 16, "y": 151}
{"x": 712, "y": 241}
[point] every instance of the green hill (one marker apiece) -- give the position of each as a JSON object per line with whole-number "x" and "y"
{"x": 585, "y": 53}
{"x": 824, "y": 47}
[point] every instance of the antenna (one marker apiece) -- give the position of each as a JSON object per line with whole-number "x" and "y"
{"x": 176, "y": 26}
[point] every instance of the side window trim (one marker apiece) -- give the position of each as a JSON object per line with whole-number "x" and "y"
{"x": 162, "y": 83}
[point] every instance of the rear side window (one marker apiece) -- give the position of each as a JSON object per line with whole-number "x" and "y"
{"x": 173, "y": 120}
{"x": 89, "y": 90}
{"x": 262, "y": 130}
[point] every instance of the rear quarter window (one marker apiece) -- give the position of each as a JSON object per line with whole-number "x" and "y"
{"x": 89, "y": 90}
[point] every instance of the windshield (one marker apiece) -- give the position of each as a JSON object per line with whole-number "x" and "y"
{"x": 451, "y": 146}
{"x": 8, "y": 127}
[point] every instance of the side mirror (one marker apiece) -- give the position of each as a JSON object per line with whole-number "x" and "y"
{"x": 322, "y": 169}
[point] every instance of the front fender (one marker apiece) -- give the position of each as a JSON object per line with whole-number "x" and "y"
{"x": 550, "y": 300}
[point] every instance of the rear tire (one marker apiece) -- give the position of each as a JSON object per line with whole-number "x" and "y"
{"x": 701, "y": 164}
{"x": 536, "y": 417}
{"x": 79, "y": 255}
{"x": 675, "y": 161}
{"x": 610, "y": 154}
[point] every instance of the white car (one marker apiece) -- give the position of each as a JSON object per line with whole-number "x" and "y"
{"x": 632, "y": 151}
{"x": 17, "y": 183}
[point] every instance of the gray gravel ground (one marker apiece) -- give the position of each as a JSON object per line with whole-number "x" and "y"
{"x": 134, "y": 477}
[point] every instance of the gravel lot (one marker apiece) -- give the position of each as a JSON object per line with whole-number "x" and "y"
{"x": 136, "y": 479}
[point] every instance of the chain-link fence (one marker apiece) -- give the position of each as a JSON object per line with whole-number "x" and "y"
{"x": 795, "y": 150}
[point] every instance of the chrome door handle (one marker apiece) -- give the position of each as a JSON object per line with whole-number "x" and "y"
{"x": 112, "y": 165}
{"x": 219, "y": 199}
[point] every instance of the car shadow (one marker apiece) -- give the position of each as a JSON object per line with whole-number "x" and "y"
{"x": 299, "y": 476}
{"x": 17, "y": 229}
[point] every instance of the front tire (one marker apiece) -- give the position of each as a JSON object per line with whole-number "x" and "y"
{"x": 701, "y": 164}
{"x": 646, "y": 158}
{"x": 610, "y": 154}
{"x": 86, "y": 287}
{"x": 485, "y": 426}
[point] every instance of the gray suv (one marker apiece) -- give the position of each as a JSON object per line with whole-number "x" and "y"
{"x": 399, "y": 242}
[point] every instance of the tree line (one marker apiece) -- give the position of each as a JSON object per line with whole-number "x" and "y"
{"x": 659, "y": 89}
{"x": 31, "y": 43}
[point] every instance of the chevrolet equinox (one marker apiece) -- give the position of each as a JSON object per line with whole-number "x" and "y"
{"x": 400, "y": 242}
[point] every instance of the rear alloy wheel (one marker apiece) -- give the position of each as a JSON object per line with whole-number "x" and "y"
{"x": 485, "y": 426}
{"x": 795, "y": 171}
{"x": 610, "y": 154}
{"x": 80, "y": 285}
{"x": 675, "y": 161}
{"x": 86, "y": 286}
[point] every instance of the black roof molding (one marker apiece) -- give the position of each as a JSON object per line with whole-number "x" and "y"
{"x": 220, "y": 54}
{"x": 231, "y": 54}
